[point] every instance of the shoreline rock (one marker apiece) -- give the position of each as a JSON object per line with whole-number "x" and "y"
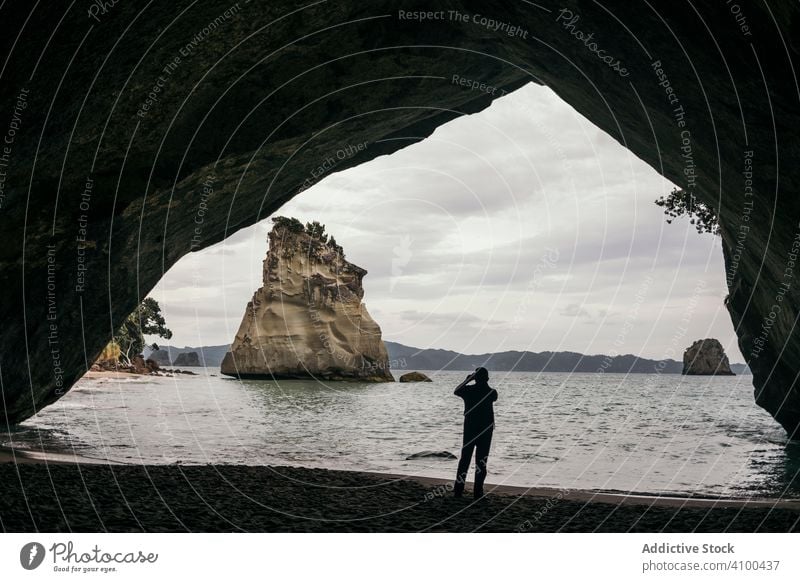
{"x": 415, "y": 377}
{"x": 431, "y": 455}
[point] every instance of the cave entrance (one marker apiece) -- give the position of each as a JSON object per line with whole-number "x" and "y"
{"x": 523, "y": 227}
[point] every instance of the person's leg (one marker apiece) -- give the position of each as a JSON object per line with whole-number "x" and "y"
{"x": 467, "y": 446}
{"x": 483, "y": 444}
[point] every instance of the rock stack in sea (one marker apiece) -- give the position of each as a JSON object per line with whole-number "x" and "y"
{"x": 308, "y": 319}
{"x": 706, "y": 357}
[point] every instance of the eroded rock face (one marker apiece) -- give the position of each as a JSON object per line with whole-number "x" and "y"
{"x": 706, "y": 357}
{"x": 308, "y": 320}
{"x": 105, "y": 187}
{"x": 431, "y": 455}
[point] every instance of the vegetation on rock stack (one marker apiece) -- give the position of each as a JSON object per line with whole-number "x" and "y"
{"x": 315, "y": 230}
{"x": 290, "y": 224}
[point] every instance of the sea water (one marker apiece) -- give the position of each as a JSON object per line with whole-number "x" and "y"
{"x": 643, "y": 433}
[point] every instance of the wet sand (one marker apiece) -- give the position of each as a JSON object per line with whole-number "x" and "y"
{"x": 105, "y": 374}
{"x": 54, "y": 493}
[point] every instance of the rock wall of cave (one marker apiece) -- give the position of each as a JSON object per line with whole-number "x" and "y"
{"x": 134, "y": 135}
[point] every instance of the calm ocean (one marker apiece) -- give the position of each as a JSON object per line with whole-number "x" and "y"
{"x": 643, "y": 433}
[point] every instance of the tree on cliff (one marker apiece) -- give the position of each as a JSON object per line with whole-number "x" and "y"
{"x": 316, "y": 231}
{"x": 145, "y": 320}
{"x": 680, "y": 202}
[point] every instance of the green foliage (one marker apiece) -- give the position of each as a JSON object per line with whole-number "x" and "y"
{"x": 682, "y": 203}
{"x": 334, "y": 246}
{"x": 145, "y": 320}
{"x": 291, "y": 224}
{"x": 316, "y": 231}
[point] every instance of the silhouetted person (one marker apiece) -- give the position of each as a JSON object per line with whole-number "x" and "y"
{"x": 478, "y": 428}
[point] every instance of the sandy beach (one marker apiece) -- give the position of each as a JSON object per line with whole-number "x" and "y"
{"x": 46, "y": 492}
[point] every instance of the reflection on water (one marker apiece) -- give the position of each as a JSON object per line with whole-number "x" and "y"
{"x": 667, "y": 433}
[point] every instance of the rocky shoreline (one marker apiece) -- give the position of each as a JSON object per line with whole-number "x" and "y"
{"x": 138, "y": 366}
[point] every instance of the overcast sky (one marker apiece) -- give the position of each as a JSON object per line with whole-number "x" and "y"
{"x": 521, "y": 227}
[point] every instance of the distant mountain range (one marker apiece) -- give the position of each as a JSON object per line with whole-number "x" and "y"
{"x": 408, "y": 358}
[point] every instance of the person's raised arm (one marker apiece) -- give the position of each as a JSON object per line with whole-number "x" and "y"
{"x": 460, "y": 388}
